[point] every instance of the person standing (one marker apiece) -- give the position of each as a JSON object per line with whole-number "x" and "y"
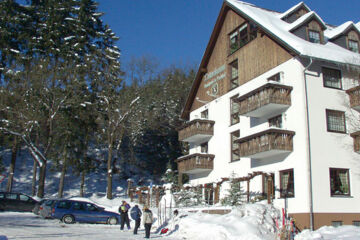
{"x": 123, "y": 210}
{"x": 148, "y": 220}
{"x": 135, "y": 214}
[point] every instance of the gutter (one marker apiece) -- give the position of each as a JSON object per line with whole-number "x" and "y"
{"x": 311, "y": 210}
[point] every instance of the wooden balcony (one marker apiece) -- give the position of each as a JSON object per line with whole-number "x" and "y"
{"x": 356, "y": 137}
{"x": 196, "y": 163}
{"x": 268, "y": 100}
{"x": 196, "y": 131}
{"x": 354, "y": 94}
{"x": 269, "y": 143}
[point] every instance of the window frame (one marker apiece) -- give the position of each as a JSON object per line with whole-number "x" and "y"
{"x": 204, "y": 147}
{"x": 314, "y": 31}
{"x": 205, "y": 114}
{"x": 232, "y": 79}
{"x": 324, "y": 78}
{"x": 337, "y": 171}
{"x": 357, "y": 44}
{"x": 232, "y": 150}
{"x": 234, "y": 120}
{"x": 264, "y": 186}
{"x": 251, "y": 33}
{"x": 281, "y": 173}
{"x": 276, "y": 121}
{"x": 328, "y": 113}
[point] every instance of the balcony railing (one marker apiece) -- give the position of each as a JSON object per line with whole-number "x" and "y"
{"x": 354, "y": 94}
{"x": 196, "y": 163}
{"x": 198, "y": 130}
{"x": 269, "y": 143}
{"x": 269, "y": 99}
{"x": 356, "y": 137}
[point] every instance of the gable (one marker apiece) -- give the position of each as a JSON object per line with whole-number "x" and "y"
{"x": 256, "y": 57}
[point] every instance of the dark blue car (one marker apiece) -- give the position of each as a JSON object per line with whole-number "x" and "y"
{"x": 70, "y": 211}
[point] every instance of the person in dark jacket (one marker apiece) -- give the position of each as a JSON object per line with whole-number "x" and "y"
{"x": 123, "y": 210}
{"x": 148, "y": 220}
{"x": 135, "y": 214}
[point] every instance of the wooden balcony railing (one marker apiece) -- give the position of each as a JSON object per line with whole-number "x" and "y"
{"x": 198, "y": 130}
{"x": 356, "y": 137}
{"x": 270, "y": 93}
{"x": 268, "y": 143}
{"x": 196, "y": 163}
{"x": 354, "y": 94}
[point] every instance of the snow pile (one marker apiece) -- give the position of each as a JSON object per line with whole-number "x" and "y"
{"x": 250, "y": 221}
{"x": 333, "y": 233}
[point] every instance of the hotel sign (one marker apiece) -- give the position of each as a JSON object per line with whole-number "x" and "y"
{"x": 213, "y": 77}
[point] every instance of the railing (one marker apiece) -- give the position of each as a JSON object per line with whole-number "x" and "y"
{"x": 196, "y": 163}
{"x": 196, "y": 127}
{"x": 271, "y": 139}
{"x": 269, "y": 93}
{"x": 354, "y": 94}
{"x": 356, "y": 137}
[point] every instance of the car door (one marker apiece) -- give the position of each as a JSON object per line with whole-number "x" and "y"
{"x": 79, "y": 212}
{"x": 12, "y": 202}
{"x": 95, "y": 214}
{"x": 26, "y": 203}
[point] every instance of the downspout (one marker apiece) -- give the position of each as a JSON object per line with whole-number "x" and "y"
{"x": 309, "y": 148}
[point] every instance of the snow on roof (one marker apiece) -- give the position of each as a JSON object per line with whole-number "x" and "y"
{"x": 332, "y": 33}
{"x": 293, "y": 9}
{"x": 301, "y": 20}
{"x": 278, "y": 29}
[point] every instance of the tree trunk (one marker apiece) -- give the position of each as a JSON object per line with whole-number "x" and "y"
{"x": 82, "y": 184}
{"x": 42, "y": 177}
{"x": 33, "y": 185}
{"x": 63, "y": 172}
{"x": 109, "y": 173}
{"x": 12, "y": 166}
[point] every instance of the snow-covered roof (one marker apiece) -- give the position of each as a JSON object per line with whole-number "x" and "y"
{"x": 333, "y": 33}
{"x": 304, "y": 18}
{"x": 293, "y": 9}
{"x": 271, "y": 23}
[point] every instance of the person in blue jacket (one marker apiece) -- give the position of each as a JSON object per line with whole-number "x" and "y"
{"x": 135, "y": 214}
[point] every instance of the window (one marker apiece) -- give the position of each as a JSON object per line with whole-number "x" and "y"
{"x": 287, "y": 183}
{"x": 24, "y": 197}
{"x": 234, "y": 75}
{"x": 354, "y": 46}
{"x": 266, "y": 179}
{"x": 314, "y": 36}
{"x": 276, "y": 77}
{"x": 235, "y": 155}
{"x": 339, "y": 182}
{"x": 241, "y": 36}
{"x": 64, "y": 205}
{"x": 331, "y": 78}
{"x": 91, "y": 207}
{"x": 356, "y": 223}
{"x": 336, "y": 223}
{"x": 275, "y": 121}
{"x": 11, "y": 196}
{"x": 78, "y": 206}
{"x": 205, "y": 114}
{"x": 204, "y": 148}
{"x": 234, "y": 111}
{"x": 335, "y": 121}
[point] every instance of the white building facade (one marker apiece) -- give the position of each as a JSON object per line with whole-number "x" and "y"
{"x": 276, "y": 93}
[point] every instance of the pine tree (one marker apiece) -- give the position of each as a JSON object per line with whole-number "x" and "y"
{"x": 235, "y": 193}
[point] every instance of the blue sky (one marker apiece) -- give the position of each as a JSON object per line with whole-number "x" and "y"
{"x": 177, "y": 31}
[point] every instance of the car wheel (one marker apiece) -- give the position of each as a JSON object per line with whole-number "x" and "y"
{"x": 112, "y": 221}
{"x": 68, "y": 219}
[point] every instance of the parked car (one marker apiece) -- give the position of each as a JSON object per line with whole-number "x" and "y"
{"x": 46, "y": 207}
{"x": 18, "y": 202}
{"x": 70, "y": 211}
{"x": 36, "y": 209}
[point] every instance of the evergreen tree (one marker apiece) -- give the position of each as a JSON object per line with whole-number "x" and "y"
{"x": 235, "y": 193}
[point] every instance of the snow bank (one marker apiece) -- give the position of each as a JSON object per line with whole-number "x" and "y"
{"x": 250, "y": 221}
{"x": 333, "y": 233}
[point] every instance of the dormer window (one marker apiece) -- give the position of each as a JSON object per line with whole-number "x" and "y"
{"x": 314, "y": 36}
{"x": 241, "y": 36}
{"x": 353, "y": 46}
